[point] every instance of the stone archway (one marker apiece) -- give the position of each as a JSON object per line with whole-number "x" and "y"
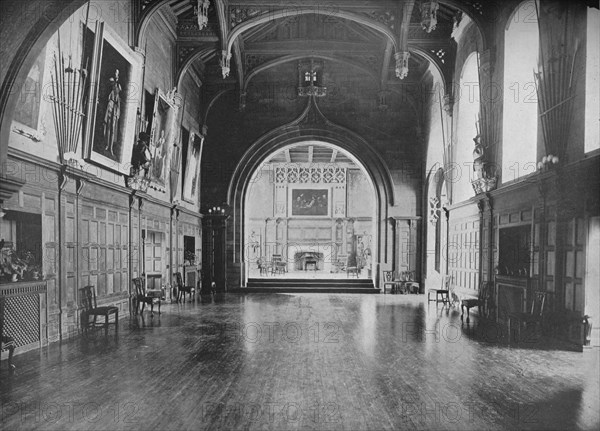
{"x": 312, "y": 205}
{"x": 310, "y": 126}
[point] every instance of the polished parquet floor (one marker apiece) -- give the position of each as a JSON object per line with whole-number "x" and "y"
{"x": 302, "y": 362}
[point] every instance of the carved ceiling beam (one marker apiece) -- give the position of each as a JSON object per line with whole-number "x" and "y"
{"x": 307, "y": 45}
{"x": 402, "y": 54}
{"x": 222, "y": 17}
{"x": 274, "y": 15}
{"x": 387, "y": 55}
{"x": 333, "y": 156}
{"x": 237, "y": 52}
{"x": 288, "y": 157}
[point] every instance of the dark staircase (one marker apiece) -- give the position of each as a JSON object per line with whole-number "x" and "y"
{"x": 297, "y": 285}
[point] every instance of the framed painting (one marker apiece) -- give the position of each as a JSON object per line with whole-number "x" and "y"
{"x": 310, "y": 202}
{"x": 115, "y": 74}
{"x": 191, "y": 179}
{"x": 162, "y": 139}
{"x": 27, "y": 112}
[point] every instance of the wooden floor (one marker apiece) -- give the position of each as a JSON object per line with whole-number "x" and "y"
{"x": 302, "y": 362}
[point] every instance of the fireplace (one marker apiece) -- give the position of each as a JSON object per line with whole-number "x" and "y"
{"x": 511, "y": 296}
{"x": 308, "y": 261}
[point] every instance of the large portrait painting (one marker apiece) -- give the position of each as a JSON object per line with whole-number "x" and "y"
{"x": 310, "y": 202}
{"x": 27, "y": 111}
{"x": 162, "y": 139}
{"x": 192, "y": 171}
{"x": 114, "y": 85}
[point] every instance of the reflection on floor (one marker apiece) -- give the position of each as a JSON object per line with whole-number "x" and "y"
{"x": 302, "y": 361}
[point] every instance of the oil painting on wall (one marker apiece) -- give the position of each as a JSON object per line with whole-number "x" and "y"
{"x": 310, "y": 202}
{"x": 161, "y": 140}
{"x": 191, "y": 175}
{"x": 110, "y": 127}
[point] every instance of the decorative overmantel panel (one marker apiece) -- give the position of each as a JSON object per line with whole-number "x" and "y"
{"x": 310, "y": 173}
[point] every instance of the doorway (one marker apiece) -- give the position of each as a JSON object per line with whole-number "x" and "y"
{"x": 310, "y": 213}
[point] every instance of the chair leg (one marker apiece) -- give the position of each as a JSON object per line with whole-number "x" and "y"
{"x": 106, "y": 325}
{"x": 117, "y": 321}
{"x": 11, "y": 366}
{"x": 159, "y": 307}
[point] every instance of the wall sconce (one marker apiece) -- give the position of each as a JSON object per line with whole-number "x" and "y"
{"x": 217, "y": 211}
{"x": 429, "y": 15}
{"x": 548, "y": 162}
{"x": 201, "y": 11}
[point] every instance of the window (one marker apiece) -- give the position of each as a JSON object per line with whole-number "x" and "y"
{"x": 520, "y": 117}
{"x": 460, "y": 173}
{"x": 592, "y": 84}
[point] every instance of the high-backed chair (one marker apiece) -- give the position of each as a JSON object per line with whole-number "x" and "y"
{"x": 533, "y": 316}
{"x": 443, "y": 293}
{"x": 351, "y": 265}
{"x": 6, "y": 342}
{"x": 389, "y": 279}
{"x": 144, "y": 297}
{"x": 278, "y": 264}
{"x": 182, "y": 289}
{"x": 263, "y": 266}
{"x": 90, "y": 308}
{"x": 340, "y": 263}
{"x": 481, "y": 302}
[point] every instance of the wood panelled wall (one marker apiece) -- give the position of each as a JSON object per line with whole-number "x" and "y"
{"x": 91, "y": 236}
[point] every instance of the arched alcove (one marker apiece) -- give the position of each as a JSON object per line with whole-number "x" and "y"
{"x": 311, "y": 205}
{"x": 310, "y": 126}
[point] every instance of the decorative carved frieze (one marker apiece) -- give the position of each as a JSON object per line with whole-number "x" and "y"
{"x": 387, "y": 18}
{"x": 402, "y": 63}
{"x": 440, "y": 53}
{"x": 183, "y": 53}
{"x": 224, "y": 63}
{"x": 189, "y": 29}
{"x": 310, "y": 174}
{"x": 239, "y": 15}
{"x": 312, "y": 91}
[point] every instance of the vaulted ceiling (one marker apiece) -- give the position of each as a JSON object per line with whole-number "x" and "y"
{"x": 353, "y": 41}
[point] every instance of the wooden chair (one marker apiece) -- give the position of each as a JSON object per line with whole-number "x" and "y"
{"x": 351, "y": 265}
{"x": 443, "y": 293}
{"x": 263, "y": 266}
{"x": 340, "y": 263}
{"x": 481, "y": 302}
{"x": 87, "y": 295}
{"x": 144, "y": 297}
{"x": 6, "y": 342}
{"x": 407, "y": 283}
{"x": 182, "y": 289}
{"x": 278, "y": 266}
{"x": 534, "y": 315}
{"x": 389, "y": 279}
